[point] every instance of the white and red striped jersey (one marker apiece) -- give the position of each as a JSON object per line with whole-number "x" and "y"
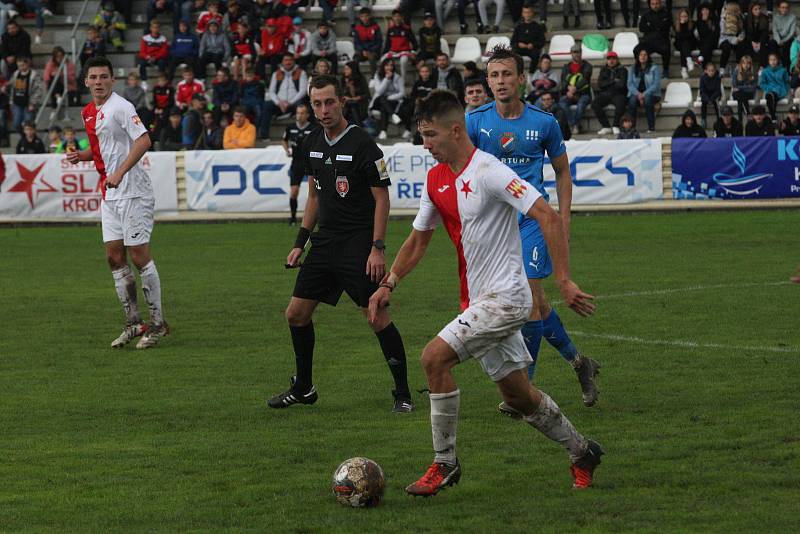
{"x": 479, "y": 208}
{"x": 112, "y": 128}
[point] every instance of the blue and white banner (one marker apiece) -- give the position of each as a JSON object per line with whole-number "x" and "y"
{"x": 736, "y": 168}
{"x": 604, "y": 172}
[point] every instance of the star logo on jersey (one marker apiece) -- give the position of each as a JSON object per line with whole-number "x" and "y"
{"x": 342, "y": 186}
{"x": 466, "y": 189}
{"x": 507, "y": 142}
{"x": 516, "y": 188}
{"x": 101, "y": 115}
{"x": 28, "y": 183}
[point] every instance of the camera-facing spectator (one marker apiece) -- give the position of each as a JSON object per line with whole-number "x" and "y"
{"x": 240, "y": 133}
{"x": 26, "y": 93}
{"x": 185, "y": 49}
{"x": 644, "y": 88}
{"x": 744, "y": 85}
{"x": 547, "y": 103}
{"x": 689, "y": 127}
{"x": 59, "y": 91}
{"x": 400, "y": 43}
{"x": 252, "y": 92}
{"x": 29, "y": 142}
{"x": 153, "y": 51}
{"x": 367, "y": 38}
{"x": 243, "y": 51}
{"x": 288, "y": 87}
{"x": 727, "y": 125}
{"x": 576, "y": 78}
{"x": 545, "y": 79}
{"x": 756, "y": 34}
{"x": 790, "y": 125}
{"x": 111, "y": 25}
{"x": 54, "y": 138}
{"x": 215, "y": 48}
{"x": 760, "y": 125}
{"x": 430, "y": 39}
{"x": 528, "y": 38}
{"x": 706, "y": 29}
{"x": 627, "y": 128}
{"x": 135, "y": 94}
{"x": 163, "y": 101}
{"x": 784, "y": 29}
{"x": 14, "y": 43}
{"x": 235, "y": 15}
{"x": 475, "y": 94}
{"x": 211, "y": 138}
{"x": 187, "y": 88}
{"x": 323, "y": 45}
{"x": 655, "y": 26}
{"x": 710, "y": 91}
{"x": 612, "y": 88}
{"x": 299, "y": 43}
{"x": 226, "y": 91}
{"x": 170, "y": 137}
{"x": 685, "y": 41}
{"x": 273, "y": 46}
{"x": 447, "y": 76}
{"x": 71, "y": 142}
{"x": 356, "y": 93}
{"x": 774, "y": 81}
{"x": 388, "y": 97}
{"x": 205, "y": 18}
{"x": 731, "y": 34}
{"x": 192, "y": 121}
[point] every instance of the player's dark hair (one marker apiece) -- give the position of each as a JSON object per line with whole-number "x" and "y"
{"x": 469, "y": 82}
{"x": 440, "y": 104}
{"x": 321, "y": 81}
{"x": 98, "y": 61}
{"x": 240, "y": 109}
{"x": 501, "y": 52}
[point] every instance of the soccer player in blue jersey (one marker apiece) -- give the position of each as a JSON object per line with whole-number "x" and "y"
{"x": 520, "y": 135}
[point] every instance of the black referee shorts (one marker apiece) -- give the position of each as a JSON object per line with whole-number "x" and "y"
{"x": 336, "y": 263}
{"x": 296, "y": 174}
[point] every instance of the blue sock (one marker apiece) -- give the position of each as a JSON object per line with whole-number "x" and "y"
{"x": 532, "y": 333}
{"x": 555, "y": 334}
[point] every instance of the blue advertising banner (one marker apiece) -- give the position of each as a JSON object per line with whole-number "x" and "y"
{"x": 736, "y": 167}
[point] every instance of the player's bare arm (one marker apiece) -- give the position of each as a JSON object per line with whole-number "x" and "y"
{"x": 409, "y": 255}
{"x": 376, "y": 263}
{"x": 139, "y": 148}
{"x": 563, "y": 189}
{"x": 307, "y": 226}
{"x": 553, "y": 230}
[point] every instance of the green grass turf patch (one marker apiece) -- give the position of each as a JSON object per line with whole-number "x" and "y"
{"x": 179, "y": 438}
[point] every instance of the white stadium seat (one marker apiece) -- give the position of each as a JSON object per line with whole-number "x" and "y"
{"x": 467, "y": 49}
{"x": 346, "y": 51}
{"x": 445, "y": 46}
{"x": 493, "y": 41}
{"x": 677, "y": 96}
{"x": 624, "y": 43}
{"x": 560, "y": 45}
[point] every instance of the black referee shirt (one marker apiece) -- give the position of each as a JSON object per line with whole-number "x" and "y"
{"x": 294, "y": 135}
{"x": 344, "y": 169}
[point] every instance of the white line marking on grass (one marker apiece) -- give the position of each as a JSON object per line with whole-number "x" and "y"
{"x": 688, "y": 289}
{"x": 685, "y": 344}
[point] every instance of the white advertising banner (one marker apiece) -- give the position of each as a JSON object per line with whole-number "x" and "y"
{"x": 48, "y": 186}
{"x": 604, "y": 172}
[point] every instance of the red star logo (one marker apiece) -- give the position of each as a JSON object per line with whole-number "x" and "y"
{"x": 465, "y": 188}
{"x": 26, "y": 183}
{"x": 101, "y": 115}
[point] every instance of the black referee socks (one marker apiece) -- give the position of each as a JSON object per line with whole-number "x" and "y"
{"x": 395, "y": 354}
{"x": 303, "y": 342}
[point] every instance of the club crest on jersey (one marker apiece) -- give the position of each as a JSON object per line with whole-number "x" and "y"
{"x": 507, "y": 141}
{"x": 136, "y": 120}
{"x": 342, "y": 186}
{"x": 516, "y": 188}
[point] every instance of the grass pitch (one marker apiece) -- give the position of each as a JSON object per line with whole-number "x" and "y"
{"x": 697, "y": 331}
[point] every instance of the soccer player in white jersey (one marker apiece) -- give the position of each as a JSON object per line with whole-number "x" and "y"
{"x": 118, "y": 140}
{"x": 477, "y": 199}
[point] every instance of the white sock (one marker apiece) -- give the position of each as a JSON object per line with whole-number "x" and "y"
{"x": 444, "y": 422}
{"x": 549, "y": 420}
{"x": 125, "y": 284}
{"x": 151, "y": 287}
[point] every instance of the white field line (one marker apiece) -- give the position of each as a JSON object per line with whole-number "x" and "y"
{"x": 685, "y": 344}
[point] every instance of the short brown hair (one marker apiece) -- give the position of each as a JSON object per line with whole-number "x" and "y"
{"x": 501, "y": 52}
{"x": 321, "y": 81}
{"x": 440, "y": 104}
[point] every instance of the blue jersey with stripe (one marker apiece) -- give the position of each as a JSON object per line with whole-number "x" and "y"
{"x": 520, "y": 143}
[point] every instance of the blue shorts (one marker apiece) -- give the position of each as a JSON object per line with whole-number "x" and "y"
{"x": 534, "y": 250}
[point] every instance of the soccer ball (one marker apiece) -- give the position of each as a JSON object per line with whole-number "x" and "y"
{"x": 358, "y": 482}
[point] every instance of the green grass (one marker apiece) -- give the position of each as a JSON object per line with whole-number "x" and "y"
{"x": 179, "y": 438}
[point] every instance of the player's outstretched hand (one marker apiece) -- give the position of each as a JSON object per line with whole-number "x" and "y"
{"x": 580, "y": 302}
{"x": 293, "y": 259}
{"x": 377, "y": 302}
{"x": 376, "y": 266}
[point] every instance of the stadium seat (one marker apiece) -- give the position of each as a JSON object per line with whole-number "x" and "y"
{"x": 677, "y": 96}
{"x": 594, "y": 46}
{"x": 560, "y": 45}
{"x": 346, "y": 51}
{"x": 467, "y": 49}
{"x": 493, "y": 41}
{"x": 445, "y": 46}
{"x": 624, "y": 43}
{"x": 384, "y": 6}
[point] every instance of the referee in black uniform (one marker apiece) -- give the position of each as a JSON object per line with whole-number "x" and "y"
{"x": 348, "y": 196}
{"x": 292, "y": 139}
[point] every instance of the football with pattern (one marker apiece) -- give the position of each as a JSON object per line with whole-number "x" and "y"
{"x": 358, "y": 482}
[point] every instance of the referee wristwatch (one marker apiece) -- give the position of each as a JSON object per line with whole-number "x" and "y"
{"x": 379, "y": 244}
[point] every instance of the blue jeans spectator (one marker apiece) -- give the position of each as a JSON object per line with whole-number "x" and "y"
{"x": 143, "y": 64}
{"x": 649, "y": 109}
{"x": 39, "y": 8}
{"x": 574, "y": 117}
{"x": 21, "y": 114}
{"x": 327, "y": 10}
{"x": 256, "y": 108}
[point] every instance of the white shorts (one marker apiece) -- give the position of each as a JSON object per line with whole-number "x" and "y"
{"x": 128, "y": 219}
{"x": 490, "y": 331}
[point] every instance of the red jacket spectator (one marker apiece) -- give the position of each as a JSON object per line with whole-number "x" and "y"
{"x": 187, "y": 88}
{"x": 367, "y": 36}
{"x": 153, "y": 46}
{"x": 163, "y": 96}
{"x": 399, "y": 38}
{"x": 243, "y": 45}
{"x": 272, "y": 43}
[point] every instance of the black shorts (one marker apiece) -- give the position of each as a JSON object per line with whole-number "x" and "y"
{"x": 334, "y": 264}
{"x": 296, "y": 174}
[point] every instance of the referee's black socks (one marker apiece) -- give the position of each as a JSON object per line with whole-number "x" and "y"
{"x": 303, "y": 342}
{"x": 395, "y": 354}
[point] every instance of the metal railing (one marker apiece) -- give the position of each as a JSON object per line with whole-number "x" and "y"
{"x": 62, "y": 71}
